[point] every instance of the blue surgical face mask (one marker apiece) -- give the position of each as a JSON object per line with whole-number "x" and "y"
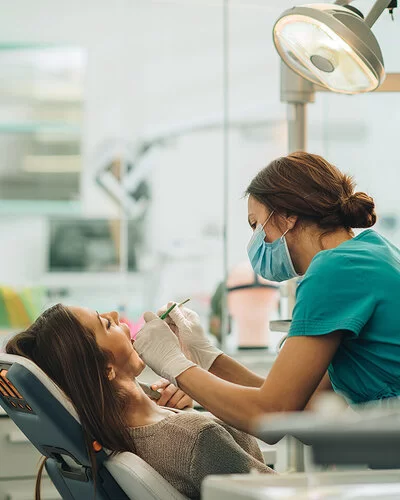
{"x": 270, "y": 260}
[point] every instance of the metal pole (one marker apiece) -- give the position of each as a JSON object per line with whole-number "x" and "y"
{"x": 297, "y": 140}
{"x": 297, "y": 92}
{"x": 297, "y": 120}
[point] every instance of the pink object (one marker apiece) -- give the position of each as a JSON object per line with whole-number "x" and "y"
{"x": 135, "y": 327}
{"x": 251, "y": 302}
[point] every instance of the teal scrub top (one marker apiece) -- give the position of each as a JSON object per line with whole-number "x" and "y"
{"x": 355, "y": 288}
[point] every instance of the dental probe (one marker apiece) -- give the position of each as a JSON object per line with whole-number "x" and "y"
{"x": 164, "y": 315}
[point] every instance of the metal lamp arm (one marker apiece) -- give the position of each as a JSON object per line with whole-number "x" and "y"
{"x": 376, "y": 10}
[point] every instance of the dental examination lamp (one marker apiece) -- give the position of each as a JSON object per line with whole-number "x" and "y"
{"x": 332, "y": 45}
{"x": 328, "y": 47}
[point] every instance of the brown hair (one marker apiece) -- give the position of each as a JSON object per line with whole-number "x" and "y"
{"x": 68, "y": 353}
{"x": 308, "y": 186}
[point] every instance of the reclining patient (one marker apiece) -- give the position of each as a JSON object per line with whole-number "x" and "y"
{"x": 91, "y": 358}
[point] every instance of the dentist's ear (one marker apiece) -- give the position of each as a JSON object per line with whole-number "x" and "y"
{"x": 291, "y": 221}
{"x": 110, "y": 373}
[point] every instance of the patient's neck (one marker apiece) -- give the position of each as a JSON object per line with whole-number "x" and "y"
{"x": 140, "y": 409}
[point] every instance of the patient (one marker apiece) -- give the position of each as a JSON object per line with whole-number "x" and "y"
{"x": 91, "y": 358}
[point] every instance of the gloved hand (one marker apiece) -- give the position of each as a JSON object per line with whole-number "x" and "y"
{"x": 194, "y": 342}
{"x": 159, "y": 348}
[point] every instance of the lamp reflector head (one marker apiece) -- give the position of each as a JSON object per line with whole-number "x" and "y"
{"x": 330, "y": 45}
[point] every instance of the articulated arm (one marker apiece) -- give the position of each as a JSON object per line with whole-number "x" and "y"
{"x": 376, "y": 10}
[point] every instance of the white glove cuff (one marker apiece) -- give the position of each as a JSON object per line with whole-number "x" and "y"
{"x": 205, "y": 356}
{"x": 171, "y": 370}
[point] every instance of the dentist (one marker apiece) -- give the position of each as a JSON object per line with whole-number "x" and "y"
{"x": 345, "y": 332}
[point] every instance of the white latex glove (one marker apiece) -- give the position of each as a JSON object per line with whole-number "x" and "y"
{"x": 194, "y": 342}
{"x": 159, "y": 348}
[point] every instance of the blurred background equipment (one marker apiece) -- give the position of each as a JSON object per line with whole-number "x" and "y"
{"x": 41, "y": 103}
{"x": 19, "y": 307}
{"x": 252, "y": 303}
{"x": 92, "y": 245}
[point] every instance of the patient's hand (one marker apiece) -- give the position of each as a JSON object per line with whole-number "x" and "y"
{"x": 171, "y": 396}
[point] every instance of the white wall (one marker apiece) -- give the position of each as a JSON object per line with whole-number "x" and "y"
{"x": 23, "y": 250}
{"x": 154, "y": 67}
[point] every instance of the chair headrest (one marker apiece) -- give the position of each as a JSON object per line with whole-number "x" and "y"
{"x": 10, "y": 359}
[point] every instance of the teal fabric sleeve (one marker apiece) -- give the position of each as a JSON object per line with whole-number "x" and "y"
{"x": 332, "y": 296}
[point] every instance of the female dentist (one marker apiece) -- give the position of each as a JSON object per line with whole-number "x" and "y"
{"x": 345, "y": 331}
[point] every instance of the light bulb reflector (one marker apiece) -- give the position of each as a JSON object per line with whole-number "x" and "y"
{"x": 314, "y": 50}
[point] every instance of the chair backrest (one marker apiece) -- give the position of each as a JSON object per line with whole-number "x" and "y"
{"x": 48, "y": 419}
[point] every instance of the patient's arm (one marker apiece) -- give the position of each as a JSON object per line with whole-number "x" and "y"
{"x": 231, "y": 370}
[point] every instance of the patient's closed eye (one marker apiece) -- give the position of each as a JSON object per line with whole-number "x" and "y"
{"x": 101, "y": 320}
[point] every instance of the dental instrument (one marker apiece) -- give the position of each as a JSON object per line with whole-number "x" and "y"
{"x": 164, "y": 315}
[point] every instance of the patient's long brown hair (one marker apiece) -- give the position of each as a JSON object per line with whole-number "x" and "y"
{"x": 68, "y": 353}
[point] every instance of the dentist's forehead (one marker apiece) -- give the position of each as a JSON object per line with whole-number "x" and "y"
{"x": 254, "y": 207}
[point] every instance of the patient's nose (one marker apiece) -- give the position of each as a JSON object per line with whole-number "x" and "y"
{"x": 115, "y": 316}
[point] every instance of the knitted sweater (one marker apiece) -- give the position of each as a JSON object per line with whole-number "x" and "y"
{"x": 185, "y": 447}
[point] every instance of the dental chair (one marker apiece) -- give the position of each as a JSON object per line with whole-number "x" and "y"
{"x": 48, "y": 419}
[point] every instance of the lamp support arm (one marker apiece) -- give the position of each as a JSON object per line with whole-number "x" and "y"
{"x": 376, "y": 10}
